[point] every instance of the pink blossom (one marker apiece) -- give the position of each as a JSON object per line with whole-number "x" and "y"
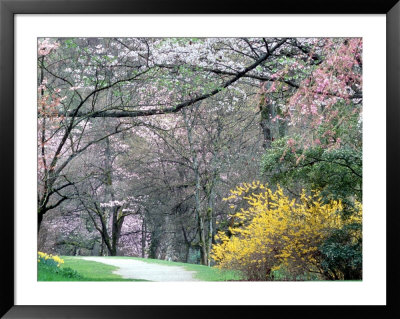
{"x": 291, "y": 142}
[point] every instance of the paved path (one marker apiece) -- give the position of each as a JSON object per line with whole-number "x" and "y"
{"x": 135, "y": 269}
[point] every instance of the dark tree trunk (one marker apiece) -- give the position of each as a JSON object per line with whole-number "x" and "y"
{"x": 202, "y": 244}
{"x": 154, "y": 243}
{"x": 265, "y": 123}
{"x": 102, "y": 247}
{"x": 197, "y": 193}
{"x": 40, "y": 219}
{"x": 117, "y": 222}
{"x": 271, "y": 126}
{"x": 143, "y": 239}
{"x": 188, "y": 244}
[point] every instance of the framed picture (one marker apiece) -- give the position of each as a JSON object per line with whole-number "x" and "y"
{"x": 34, "y": 29}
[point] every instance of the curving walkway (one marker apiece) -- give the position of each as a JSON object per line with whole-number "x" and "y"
{"x": 135, "y": 269}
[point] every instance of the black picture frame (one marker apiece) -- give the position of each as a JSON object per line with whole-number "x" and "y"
{"x": 8, "y": 10}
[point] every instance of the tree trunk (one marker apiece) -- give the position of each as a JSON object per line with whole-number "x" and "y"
{"x": 116, "y": 221}
{"x": 197, "y": 194}
{"x": 143, "y": 239}
{"x": 200, "y": 220}
{"x": 202, "y": 243}
{"x": 265, "y": 122}
{"x": 40, "y": 219}
{"x": 210, "y": 213}
{"x": 271, "y": 129}
{"x": 116, "y": 230}
{"x": 102, "y": 247}
{"x": 210, "y": 233}
{"x": 154, "y": 243}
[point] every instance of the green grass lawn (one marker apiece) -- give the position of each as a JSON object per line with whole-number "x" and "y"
{"x": 95, "y": 271}
{"x": 49, "y": 275}
{"x": 86, "y": 271}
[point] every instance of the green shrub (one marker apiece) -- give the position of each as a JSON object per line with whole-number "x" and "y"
{"x": 51, "y": 264}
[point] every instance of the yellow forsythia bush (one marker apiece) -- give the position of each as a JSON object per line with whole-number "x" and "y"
{"x": 277, "y": 232}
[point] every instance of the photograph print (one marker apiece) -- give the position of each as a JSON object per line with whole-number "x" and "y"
{"x": 199, "y": 159}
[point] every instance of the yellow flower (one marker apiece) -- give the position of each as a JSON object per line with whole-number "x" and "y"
{"x": 282, "y": 230}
